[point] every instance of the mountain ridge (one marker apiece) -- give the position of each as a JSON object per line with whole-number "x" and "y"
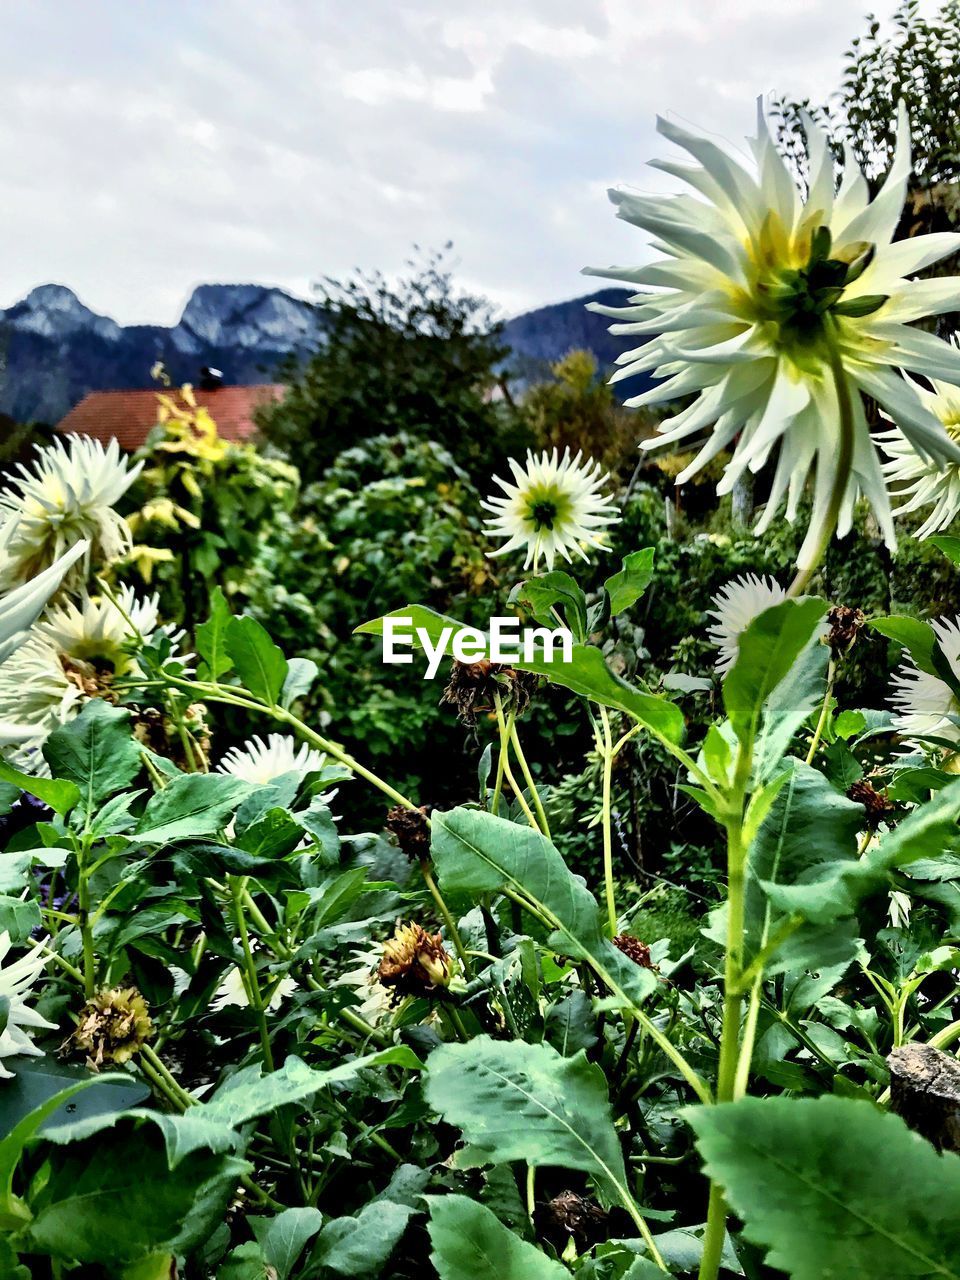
{"x": 55, "y": 349}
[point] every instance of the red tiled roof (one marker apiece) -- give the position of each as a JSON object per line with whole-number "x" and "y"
{"x": 129, "y": 416}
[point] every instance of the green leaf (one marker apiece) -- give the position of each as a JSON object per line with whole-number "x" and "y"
{"x": 948, "y": 545}
{"x": 261, "y": 666}
{"x": 768, "y": 649}
{"x": 518, "y": 1101}
{"x": 282, "y": 1239}
{"x": 469, "y": 1241}
{"x": 476, "y": 852}
{"x": 813, "y": 1181}
{"x": 18, "y": 917}
{"x": 60, "y": 796}
{"x": 553, "y": 590}
{"x": 798, "y": 694}
{"x": 192, "y": 804}
{"x": 211, "y": 637}
{"x": 918, "y": 638}
{"x": 96, "y": 751}
{"x": 111, "y": 1198}
{"x": 246, "y": 1262}
{"x": 586, "y": 674}
{"x": 301, "y": 673}
{"x": 626, "y": 587}
{"x": 359, "y": 1245}
{"x": 570, "y": 1024}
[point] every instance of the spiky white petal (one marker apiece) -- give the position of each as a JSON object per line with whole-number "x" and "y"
{"x": 16, "y": 982}
{"x": 713, "y": 333}
{"x": 97, "y": 628}
{"x": 67, "y": 495}
{"x": 231, "y": 991}
{"x": 917, "y": 479}
{"x": 21, "y": 607}
{"x": 922, "y": 702}
{"x": 262, "y": 762}
{"x": 555, "y": 507}
{"x": 735, "y": 606}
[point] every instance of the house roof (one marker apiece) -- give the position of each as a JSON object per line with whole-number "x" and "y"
{"x": 129, "y": 416}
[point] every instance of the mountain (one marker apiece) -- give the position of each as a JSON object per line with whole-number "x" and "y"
{"x": 54, "y": 349}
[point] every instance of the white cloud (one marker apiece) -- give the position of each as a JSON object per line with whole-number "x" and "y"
{"x": 150, "y": 148}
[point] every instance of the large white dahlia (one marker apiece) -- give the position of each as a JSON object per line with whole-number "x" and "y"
{"x": 924, "y": 705}
{"x": 920, "y": 481}
{"x": 16, "y": 982}
{"x": 772, "y": 309}
{"x": 67, "y": 495}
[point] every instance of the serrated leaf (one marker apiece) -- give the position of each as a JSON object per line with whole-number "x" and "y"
{"x": 476, "y": 852}
{"x": 360, "y": 1244}
{"x": 469, "y": 1241}
{"x": 193, "y": 804}
{"x": 555, "y": 589}
{"x": 259, "y": 663}
{"x": 60, "y": 796}
{"x": 950, "y": 546}
{"x": 518, "y": 1101}
{"x": 283, "y": 1238}
{"x": 626, "y": 587}
{"x": 767, "y": 652}
{"x": 811, "y": 1180}
{"x": 96, "y": 751}
{"x": 211, "y": 636}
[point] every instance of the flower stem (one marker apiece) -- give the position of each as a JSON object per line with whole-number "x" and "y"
{"x": 844, "y": 465}
{"x": 608, "y": 824}
{"x": 528, "y": 778}
{"x": 448, "y": 920}
{"x": 237, "y": 886}
{"x": 824, "y": 711}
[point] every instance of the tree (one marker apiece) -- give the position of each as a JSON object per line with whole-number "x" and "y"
{"x": 418, "y": 356}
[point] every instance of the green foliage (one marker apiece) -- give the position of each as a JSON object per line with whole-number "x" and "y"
{"x": 417, "y": 357}
{"x": 818, "y": 1206}
{"x": 469, "y": 1241}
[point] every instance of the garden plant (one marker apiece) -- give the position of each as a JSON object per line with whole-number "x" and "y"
{"x": 240, "y": 1040}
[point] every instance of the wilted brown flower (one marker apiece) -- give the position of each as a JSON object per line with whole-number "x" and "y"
{"x": 160, "y": 733}
{"x": 414, "y": 961}
{"x": 113, "y": 1026}
{"x": 575, "y": 1216}
{"x": 845, "y": 625}
{"x": 634, "y": 950}
{"x": 875, "y": 802}
{"x": 473, "y": 685}
{"x": 412, "y": 830}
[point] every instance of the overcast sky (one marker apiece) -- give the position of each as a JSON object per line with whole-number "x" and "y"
{"x": 150, "y": 146}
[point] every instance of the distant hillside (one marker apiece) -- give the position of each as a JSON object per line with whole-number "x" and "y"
{"x": 54, "y": 349}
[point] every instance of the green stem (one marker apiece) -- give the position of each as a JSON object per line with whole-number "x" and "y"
{"x": 824, "y": 711}
{"x": 844, "y": 465}
{"x": 504, "y": 748}
{"x": 528, "y": 778}
{"x": 84, "y": 922}
{"x": 508, "y": 772}
{"x": 249, "y": 970}
{"x": 451, "y": 925}
{"x": 608, "y": 825}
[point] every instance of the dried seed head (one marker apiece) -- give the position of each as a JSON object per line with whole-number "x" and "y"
{"x": 574, "y": 1215}
{"x": 634, "y": 950}
{"x": 845, "y": 625}
{"x": 412, "y": 830}
{"x": 113, "y": 1026}
{"x": 414, "y": 962}
{"x": 875, "y": 802}
{"x": 473, "y": 686}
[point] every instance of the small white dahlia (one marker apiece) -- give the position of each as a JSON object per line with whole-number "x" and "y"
{"x": 778, "y": 313}
{"x": 67, "y": 495}
{"x": 96, "y": 629}
{"x": 735, "y": 606}
{"x": 38, "y": 693}
{"x": 232, "y": 992}
{"x": 555, "y": 507}
{"x": 21, "y": 607}
{"x": 16, "y": 983}
{"x": 918, "y": 479}
{"x": 260, "y": 761}
{"x": 922, "y": 702}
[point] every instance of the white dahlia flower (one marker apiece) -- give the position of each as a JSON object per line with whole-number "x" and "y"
{"x": 74, "y": 652}
{"x": 555, "y": 507}
{"x": 231, "y": 991}
{"x": 778, "y": 313}
{"x": 262, "y": 762}
{"x": 16, "y": 981}
{"x": 68, "y": 494}
{"x": 922, "y": 702}
{"x": 918, "y": 479}
{"x": 20, "y": 608}
{"x": 735, "y": 606}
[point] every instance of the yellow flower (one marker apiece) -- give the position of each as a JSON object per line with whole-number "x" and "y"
{"x": 112, "y": 1027}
